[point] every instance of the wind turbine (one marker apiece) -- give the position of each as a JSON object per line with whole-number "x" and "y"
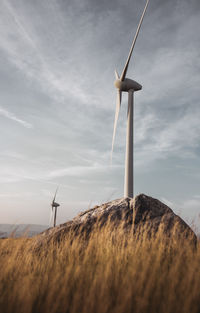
{"x": 124, "y": 84}
{"x": 54, "y": 206}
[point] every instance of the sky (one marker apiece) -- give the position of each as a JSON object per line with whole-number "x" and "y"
{"x": 57, "y": 105}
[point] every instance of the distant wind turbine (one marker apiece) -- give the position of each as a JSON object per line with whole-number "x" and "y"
{"x": 54, "y": 206}
{"x": 124, "y": 84}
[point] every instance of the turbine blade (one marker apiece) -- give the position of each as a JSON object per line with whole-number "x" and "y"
{"x": 55, "y": 195}
{"x": 118, "y": 105}
{"x": 123, "y": 75}
{"x": 116, "y": 74}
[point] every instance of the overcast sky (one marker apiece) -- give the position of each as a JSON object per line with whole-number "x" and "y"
{"x": 57, "y": 104}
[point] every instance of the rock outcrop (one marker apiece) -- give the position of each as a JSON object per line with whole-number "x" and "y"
{"x": 142, "y": 212}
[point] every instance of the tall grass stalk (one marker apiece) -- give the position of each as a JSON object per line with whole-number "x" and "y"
{"x": 109, "y": 272}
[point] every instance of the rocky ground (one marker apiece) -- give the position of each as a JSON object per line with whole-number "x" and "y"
{"x": 136, "y": 215}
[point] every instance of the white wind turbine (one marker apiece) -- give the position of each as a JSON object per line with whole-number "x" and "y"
{"x": 54, "y": 206}
{"x": 124, "y": 84}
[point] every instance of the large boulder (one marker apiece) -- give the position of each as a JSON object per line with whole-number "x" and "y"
{"x": 139, "y": 214}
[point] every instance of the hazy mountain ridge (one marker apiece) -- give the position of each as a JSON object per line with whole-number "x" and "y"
{"x": 17, "y": 230}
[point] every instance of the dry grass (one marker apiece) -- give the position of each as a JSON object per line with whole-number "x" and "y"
{"x": 112, "y": 272}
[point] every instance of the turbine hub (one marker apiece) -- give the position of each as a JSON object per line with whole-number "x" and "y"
{"x": 55, "y": 204}
{"x": 118, "y": 83}
{"x": 127, "y": 84}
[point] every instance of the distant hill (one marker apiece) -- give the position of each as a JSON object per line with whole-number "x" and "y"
{"x": 18, "y": 230}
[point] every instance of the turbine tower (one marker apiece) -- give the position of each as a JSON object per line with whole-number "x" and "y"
{"x": 54, "y": 206}
{"x": 124, "y": 84}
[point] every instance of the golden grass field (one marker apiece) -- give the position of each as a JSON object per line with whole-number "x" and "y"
{"x": 110, "y": 272}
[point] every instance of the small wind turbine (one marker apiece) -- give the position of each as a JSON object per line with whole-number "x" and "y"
{"x": 54, "y": 206}
{"x": 124, "y": 84}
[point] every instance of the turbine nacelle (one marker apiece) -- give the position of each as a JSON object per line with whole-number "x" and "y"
{"x": 55, "y": 204}
{"x": 127, "y": 84}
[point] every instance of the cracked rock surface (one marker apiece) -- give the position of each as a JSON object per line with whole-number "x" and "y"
{"x": 141, "y": 212}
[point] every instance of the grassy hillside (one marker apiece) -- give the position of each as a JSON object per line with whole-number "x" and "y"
{"x": 110, "y": 272}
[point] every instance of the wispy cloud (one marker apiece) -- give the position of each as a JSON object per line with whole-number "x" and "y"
{"x": 34, "y": 56}
{"x": 81, "y": 171}
{"x": 11, "y": 116}
{"x": 160, "y": 139}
